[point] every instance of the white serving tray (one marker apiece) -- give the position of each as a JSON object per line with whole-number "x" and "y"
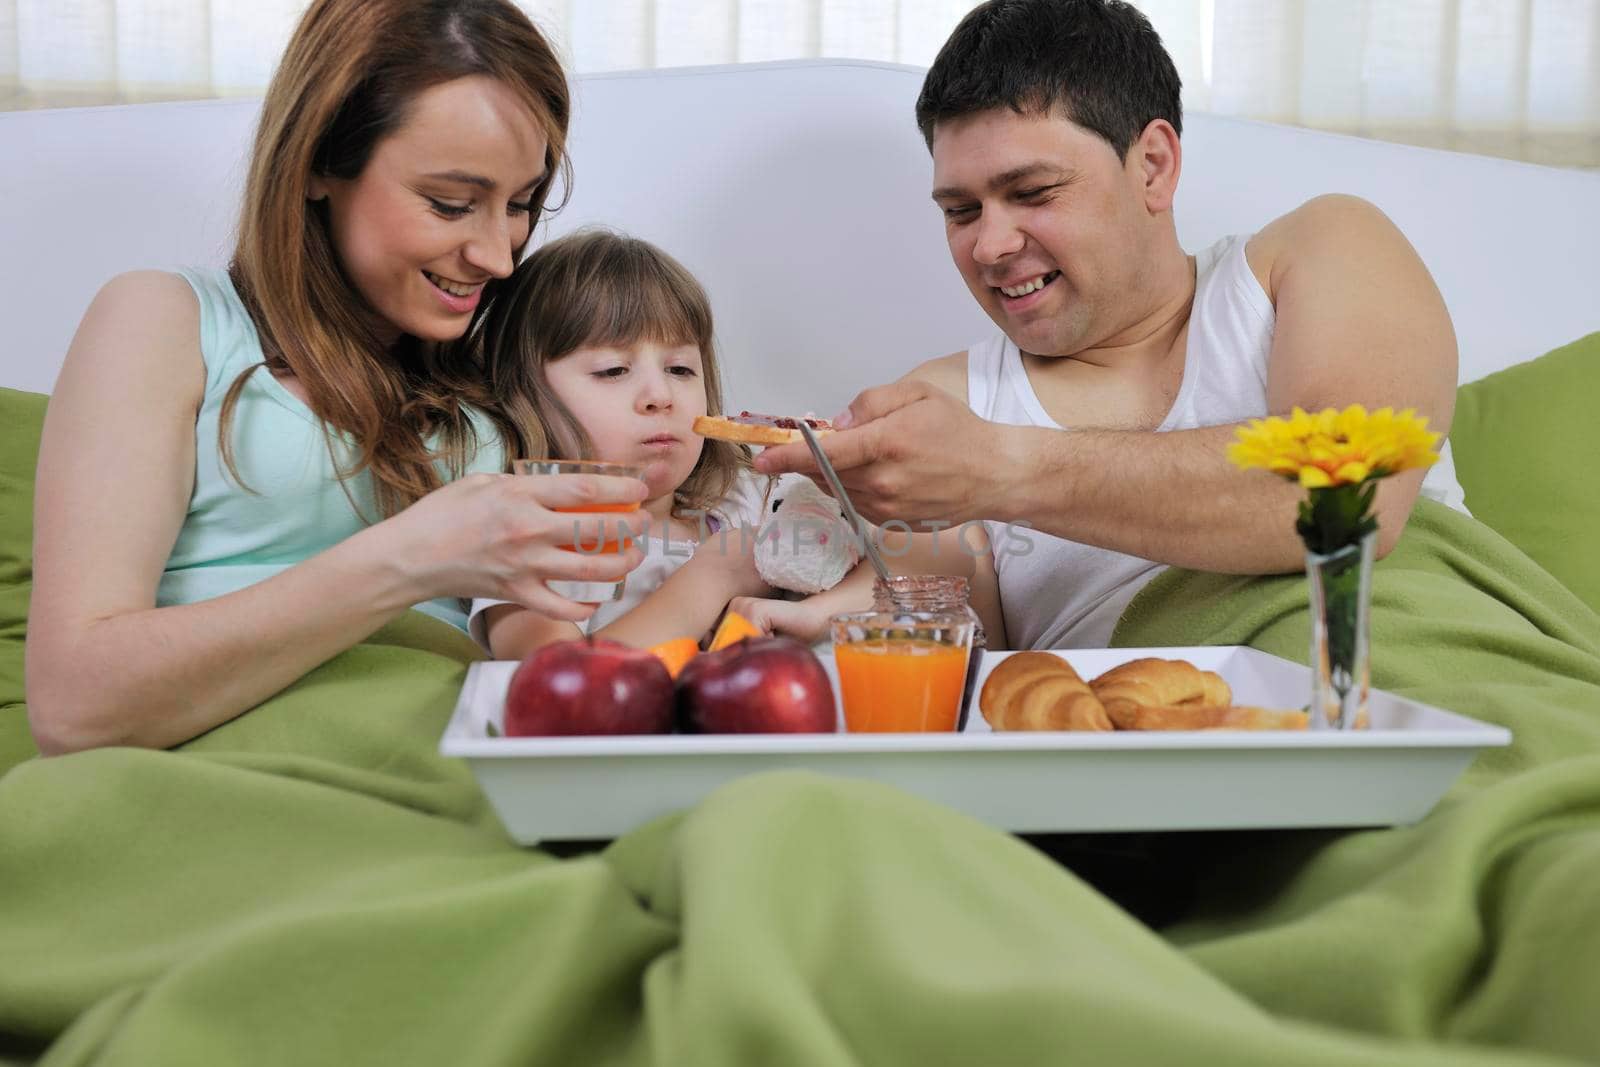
{"x": 553, "y": 788}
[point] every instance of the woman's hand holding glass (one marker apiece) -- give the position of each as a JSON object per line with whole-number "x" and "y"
{"x": 502, "y": 537}
{"x": 589, "y": 592}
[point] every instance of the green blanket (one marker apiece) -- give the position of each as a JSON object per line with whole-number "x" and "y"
{"x": 312, "y": 883}
{"x": 1482, "y": 923}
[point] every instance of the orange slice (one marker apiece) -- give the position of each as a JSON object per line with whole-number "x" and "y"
{"x": 733, "y": 629}
{"x": 676, "y": 653}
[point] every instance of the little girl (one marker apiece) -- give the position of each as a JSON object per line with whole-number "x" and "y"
{"x": 600, "y": 347}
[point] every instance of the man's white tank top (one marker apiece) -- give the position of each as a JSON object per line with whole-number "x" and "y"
{"x": 1062, "y": 594}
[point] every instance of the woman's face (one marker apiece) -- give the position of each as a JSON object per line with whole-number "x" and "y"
{"x": 439, "y": 208}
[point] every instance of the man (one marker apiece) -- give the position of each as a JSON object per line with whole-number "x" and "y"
{"x": 1102, "y": 413}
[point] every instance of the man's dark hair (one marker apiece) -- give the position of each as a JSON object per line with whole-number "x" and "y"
{"x": 1099, "y": 61}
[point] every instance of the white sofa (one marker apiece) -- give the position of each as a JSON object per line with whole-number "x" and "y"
{"x": 798, "y": 192}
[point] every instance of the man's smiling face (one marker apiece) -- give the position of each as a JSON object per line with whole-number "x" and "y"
{"x": 1045, "y": 224}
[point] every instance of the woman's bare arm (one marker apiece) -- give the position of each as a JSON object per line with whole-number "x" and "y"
{"x": 116, "y": 470}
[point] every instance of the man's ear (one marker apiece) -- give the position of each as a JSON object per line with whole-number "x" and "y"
{"x": 1158, "y": 157}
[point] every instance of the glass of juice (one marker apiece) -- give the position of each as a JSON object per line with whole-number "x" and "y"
{"x": 586, "y": 592}
{"x": 902, "y": 671}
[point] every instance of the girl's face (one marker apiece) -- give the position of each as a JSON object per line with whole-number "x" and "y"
{"x": 439, "y": 208}
{"x": 637, "y": 403}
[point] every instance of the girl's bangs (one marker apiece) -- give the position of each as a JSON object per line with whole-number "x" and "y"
{"x": 644, "y": 303}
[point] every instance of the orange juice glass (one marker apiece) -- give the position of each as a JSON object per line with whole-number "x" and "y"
{"x": 901, "y": 672}
{"x": 586, "y": 592}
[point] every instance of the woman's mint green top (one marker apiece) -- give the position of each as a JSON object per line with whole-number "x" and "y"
{"x": 294, "y": 506}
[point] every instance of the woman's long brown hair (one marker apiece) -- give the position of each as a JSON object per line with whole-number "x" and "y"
{"x": 345, "y": 82}
{"x": 599, "y": 288}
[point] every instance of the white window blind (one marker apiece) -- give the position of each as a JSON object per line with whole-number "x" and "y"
{"x": 1518, "y": 78}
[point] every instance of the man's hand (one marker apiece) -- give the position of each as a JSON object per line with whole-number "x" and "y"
{"x": 908, "y": 451}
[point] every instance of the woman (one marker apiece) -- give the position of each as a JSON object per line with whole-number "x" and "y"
{"x": 243, "y": 474}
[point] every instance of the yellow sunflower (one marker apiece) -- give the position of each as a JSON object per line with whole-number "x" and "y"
{"x": 1333, "y": 448}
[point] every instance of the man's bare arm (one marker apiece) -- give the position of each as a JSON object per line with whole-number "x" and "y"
{"x": 1170, "y": 497}
{"x": 1359, "y": 321}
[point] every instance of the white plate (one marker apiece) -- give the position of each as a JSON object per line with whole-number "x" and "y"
{"x": 552, "y": 788}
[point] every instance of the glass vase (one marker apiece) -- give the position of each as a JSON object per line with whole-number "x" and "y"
{"x": 1341, "y": 595}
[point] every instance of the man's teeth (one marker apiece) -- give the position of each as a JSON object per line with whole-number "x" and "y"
{"x": 1027, "y": 287}
{"x": 453, "y": 288}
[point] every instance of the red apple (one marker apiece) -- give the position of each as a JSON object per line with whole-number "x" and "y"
{"x": 589, "y": 686}
{"x": 761, "y": 685}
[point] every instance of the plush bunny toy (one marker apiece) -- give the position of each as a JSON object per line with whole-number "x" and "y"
{"x": 805, "y": 545}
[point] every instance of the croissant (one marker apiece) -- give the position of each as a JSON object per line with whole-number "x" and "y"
{"x": 1038, "y": 691}
{"x": 1154, "y": 682}
{"x": 1163, "y": 694}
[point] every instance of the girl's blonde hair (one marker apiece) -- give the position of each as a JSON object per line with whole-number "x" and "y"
{"x": 346, "y": 81}
{"x": 598, "y": 288}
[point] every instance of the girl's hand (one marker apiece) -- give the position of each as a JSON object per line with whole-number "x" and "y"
{"x": 730, "y": 560}
{"x": 499, "y": 535}
{"x": 804, "y": 620}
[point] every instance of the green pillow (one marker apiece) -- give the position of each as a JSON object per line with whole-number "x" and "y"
{"x": 21, "y": 419}
{"x": 1527, "y": 450}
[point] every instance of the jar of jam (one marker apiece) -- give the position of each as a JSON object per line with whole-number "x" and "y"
{"x": 935, "y": 592}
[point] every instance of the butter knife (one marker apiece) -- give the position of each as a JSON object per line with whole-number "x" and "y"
{"x": 844, "y": 500}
